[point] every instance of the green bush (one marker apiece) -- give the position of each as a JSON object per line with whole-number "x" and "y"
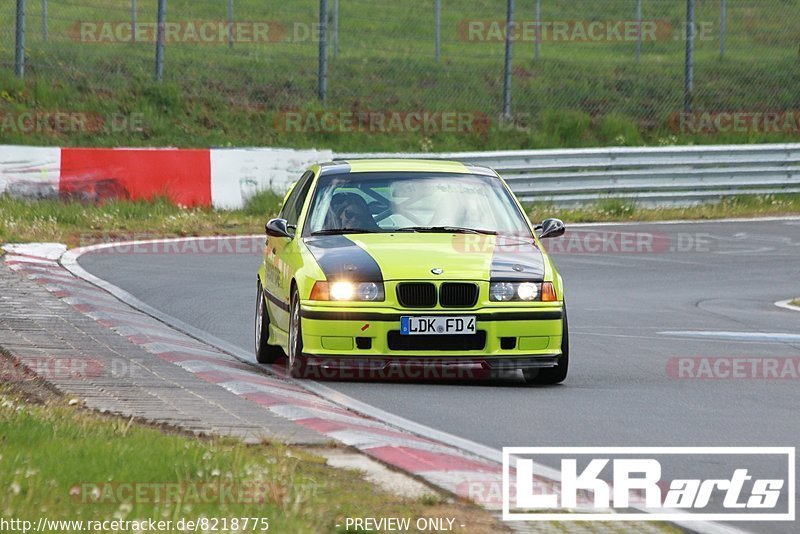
{"x": 618, "y": 130}
{"x": 263, "y": 204}
{"x": 567, "y": 128}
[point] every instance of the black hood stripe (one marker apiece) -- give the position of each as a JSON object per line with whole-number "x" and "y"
{"x": 517, "y": 261}
{"x": 341, "y": 258}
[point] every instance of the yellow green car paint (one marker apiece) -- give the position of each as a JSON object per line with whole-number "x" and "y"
{"x": 334, "y": 331}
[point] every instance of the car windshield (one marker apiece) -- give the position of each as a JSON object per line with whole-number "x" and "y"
{"x": 414, "y": 202}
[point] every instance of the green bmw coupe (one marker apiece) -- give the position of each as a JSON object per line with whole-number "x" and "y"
{"x": 381, "y": 264}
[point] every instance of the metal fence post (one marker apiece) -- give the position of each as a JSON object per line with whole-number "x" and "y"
{"x": 723, "y": 28}
{"x": 438, "y": 35}
{"x": 133, "y": 21}
{"x": 44, "y": 20}
{"x": 689, "y": 68}
{"x": 322, "y": 76}
{"x": 162, "y": 23}
{"x": 230, "y": 23}
{"x": 19, "y": 64}
{"x": 507, "y": 67}
{"x": 335, "y": 28}
{"x": 638, "y": 30}
{"x": 538, "y": 36}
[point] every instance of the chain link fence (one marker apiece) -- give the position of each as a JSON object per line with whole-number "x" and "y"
{"x": 569, "y": 60}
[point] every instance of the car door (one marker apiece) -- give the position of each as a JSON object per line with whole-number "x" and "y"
{"x": 282, "y": 255}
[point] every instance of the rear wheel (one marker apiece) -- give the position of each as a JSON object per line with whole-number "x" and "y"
{"x": 297, "y": 362}
{"x": 552, "y": 375}
{"x": 265, "y": 353}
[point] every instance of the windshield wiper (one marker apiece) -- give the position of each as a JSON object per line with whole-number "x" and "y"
{"x": 340, "y": 231}
{"x": 445, "y": 230}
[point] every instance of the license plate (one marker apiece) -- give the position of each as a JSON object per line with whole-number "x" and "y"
{"x": 410, "y": 326}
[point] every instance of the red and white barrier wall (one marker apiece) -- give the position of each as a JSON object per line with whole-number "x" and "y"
{"x": 222, "y": 178}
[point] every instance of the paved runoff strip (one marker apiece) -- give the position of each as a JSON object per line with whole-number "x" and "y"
{"x": 84, "y": 340}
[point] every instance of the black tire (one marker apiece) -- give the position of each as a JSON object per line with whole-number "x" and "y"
{"x": 265, "y": 353}
{"x": 552, "y": 375}
{"x": 297, "y": 361}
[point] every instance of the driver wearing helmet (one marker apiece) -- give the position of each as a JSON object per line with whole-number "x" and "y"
{"x": 350, "y": 211}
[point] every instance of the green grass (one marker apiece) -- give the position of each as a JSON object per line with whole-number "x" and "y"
{"x": 64, "y": 463}
{"x": 76, "y": 224}
{"x": 575, "y": 95}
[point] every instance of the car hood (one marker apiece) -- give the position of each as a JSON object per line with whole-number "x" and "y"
{"x": 414, "y": 256}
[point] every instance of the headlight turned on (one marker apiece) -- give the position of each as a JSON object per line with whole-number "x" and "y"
{"x": 522, "y": 292}
{"x": 348, "y": 291}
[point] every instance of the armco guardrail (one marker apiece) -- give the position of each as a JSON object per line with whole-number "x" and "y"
{"x": 225, "y": 178}
{"x": 665, "y": 175}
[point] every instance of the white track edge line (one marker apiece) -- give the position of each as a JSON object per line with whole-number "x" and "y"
{"x": 787, "y": 305}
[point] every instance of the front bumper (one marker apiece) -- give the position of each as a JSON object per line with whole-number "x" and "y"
{"x": 339, "y": 334}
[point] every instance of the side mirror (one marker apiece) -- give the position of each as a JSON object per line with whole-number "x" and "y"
{"x": 278, "y": 228}
{"x": 551, "y": 228}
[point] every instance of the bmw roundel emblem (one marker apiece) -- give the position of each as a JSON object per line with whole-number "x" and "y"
{"x": 437, "y": 270}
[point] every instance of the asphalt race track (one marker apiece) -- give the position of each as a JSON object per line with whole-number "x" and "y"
{"x": 666, "y": 292}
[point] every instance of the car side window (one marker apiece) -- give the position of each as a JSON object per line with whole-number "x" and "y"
{"x": 294, "y": 204}
{"x": 303, "y": 187}
{"x": 288, "y": 202}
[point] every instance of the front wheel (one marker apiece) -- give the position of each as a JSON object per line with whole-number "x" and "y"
{"x": 265, "y": 353}
{"x": 552, "y": 375}
{"x": 297, "y": 362}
